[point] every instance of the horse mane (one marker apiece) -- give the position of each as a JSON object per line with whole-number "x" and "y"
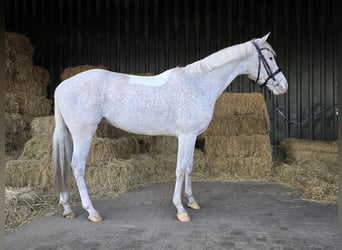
{"x": 220, "y": 58}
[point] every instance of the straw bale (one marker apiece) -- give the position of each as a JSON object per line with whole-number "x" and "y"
{"x": 28, "y": 172}
{"x": 241, "y": 104}
{"x": 37, "y": 148}
{"x": 240, "y": 167}
{"x": 152, "y": 144}
{"x": 122, "y": 175}
{"x": 18, "y": 44}
{"x": 34, "y": 105}
{"x": 316, "y": 179}
{"x": 230, "y": 125}
{"x": 21, "y": 67}
{"x": 40, "y": 75}
{"x": 69, "y": 72}
{"x": 8, "y": 70}
{"x": 28, "y": 87}
{"x": 167, "y": 163}
{"x": 160, "y": 144}
{"x": 303, "y": 150}
{"x": 12, "y": 105}
{"x": 103, "y": 150}
{"x": 43, "y": 125}
{"x": 238, "y": 146}
{"x": 16, "y": 131}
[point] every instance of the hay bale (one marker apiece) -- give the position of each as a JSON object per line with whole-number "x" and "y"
{"x": 38, "y": 147}
{"x": 316, "y": 179}
{"x": 18, "y": 43}
{"x": 238, "y": 146}
{"x": 18, "y": 56}
{"x": 34, "y": 105}
{"x": 241, "y": 104}
{"x": 12, "y": 105}
{"x": 254, "y": 168}
{"x": 306, "y": 150}
{"x": 16, "y": 131}
{"x": 151, "y": 144}
{"x": 40, "y": 75}
{"x": 69, "y": 72}
{"x": 28, "y": 172}
{"x": 234, "y": 125}
{"x": 237, "y": 141}
{"x": 21, "y": 67}
{"x": 163, "y": 144}
{"x": 43, "y": 125}
{"x": 122, "y": 175}
{"x": 103, "y": 150}
{"x": 27, "y": 87}
{"x": 167, "y": 163}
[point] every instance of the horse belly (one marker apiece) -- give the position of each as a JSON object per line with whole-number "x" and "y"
{"x": 142, "y": 116}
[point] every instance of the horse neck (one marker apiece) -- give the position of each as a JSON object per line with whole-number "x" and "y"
{"x": 217, "y": 80}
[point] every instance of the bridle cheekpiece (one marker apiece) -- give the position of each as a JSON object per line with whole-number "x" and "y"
{"x": 267, "y": 67}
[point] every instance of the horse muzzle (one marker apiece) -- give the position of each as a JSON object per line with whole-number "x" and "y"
{"x": 280, "y": 87}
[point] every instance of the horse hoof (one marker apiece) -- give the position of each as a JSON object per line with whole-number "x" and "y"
{"x": 183, "y": 217}
{"x": 193, "y": 205}
{"x": 95, "y": 219}
{"x": 70, "y": 215}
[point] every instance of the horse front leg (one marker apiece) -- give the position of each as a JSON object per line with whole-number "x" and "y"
{"x": 186, "y": 146}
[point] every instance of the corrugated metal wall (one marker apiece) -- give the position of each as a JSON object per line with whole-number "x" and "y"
{"x": 138, "y": 36}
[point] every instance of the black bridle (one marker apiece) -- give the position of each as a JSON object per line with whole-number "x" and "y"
{"x": 266, "y": 66}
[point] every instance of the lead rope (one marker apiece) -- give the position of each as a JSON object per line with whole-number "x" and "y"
{"x": 294, "y": 122}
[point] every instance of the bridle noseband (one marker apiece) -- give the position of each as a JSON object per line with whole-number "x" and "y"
{"x": 266, "y": 66}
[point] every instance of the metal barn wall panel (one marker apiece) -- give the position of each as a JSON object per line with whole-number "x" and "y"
{"x": 140, "y": 36}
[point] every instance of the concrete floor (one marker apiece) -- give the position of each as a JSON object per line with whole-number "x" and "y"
{"x": 232, "y": 216}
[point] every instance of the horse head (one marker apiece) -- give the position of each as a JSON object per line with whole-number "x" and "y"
{"x": 263, "y": 69}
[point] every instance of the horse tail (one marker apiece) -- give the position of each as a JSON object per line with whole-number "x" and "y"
{"x": 61, "y": 152}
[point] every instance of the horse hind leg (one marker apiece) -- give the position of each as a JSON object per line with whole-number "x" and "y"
{"x": 192, "y": 203}
{"x": 64, "y": 201}
{"x": 82, "y": 140}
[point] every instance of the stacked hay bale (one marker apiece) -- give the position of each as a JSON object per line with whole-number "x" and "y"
{"x": 237, "y": 141}
{"x": 25, "y": 90}
{"x": 311, "y": 167}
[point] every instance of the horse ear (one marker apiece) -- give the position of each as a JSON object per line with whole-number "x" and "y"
{"x": 264, "y": 38}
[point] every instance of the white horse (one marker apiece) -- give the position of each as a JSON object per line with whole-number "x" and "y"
{"x": 179, "y": 102}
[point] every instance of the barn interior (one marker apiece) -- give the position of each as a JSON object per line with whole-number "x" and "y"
{"x": 254, "y": 136}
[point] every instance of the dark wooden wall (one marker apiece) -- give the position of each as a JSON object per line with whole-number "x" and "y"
{"x": 138, "y": 36}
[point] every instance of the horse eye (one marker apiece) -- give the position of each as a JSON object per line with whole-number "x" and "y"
{"x": 271, "y": 58}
